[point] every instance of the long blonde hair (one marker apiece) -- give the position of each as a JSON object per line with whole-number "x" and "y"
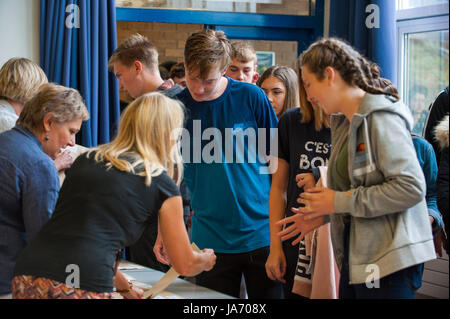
{"x": 148, "y": 137}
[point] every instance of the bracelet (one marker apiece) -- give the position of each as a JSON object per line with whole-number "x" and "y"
{"x": 123, "y": 291}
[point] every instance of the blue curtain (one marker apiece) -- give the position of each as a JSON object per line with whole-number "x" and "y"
{"x": 74, "y": 50}
{"x": 377, "y": 43}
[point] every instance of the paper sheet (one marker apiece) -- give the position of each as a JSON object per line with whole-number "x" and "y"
{"x": 75, "y": 151}
{"x": 165, "y": 280}
{"x": 129, "y": 266}
{"x": 128, "y": 277}
{"x": 323, "y": 175}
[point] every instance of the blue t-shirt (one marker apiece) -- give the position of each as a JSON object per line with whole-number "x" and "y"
{"x": 225, "y": 169}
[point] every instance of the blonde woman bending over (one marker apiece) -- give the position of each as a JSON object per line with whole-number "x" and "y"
{"x": 109, "y": 196}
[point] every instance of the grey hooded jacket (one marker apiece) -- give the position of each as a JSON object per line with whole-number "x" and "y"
{"x": 386, "y": 203}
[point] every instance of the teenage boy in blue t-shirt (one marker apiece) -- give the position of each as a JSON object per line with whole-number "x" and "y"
{"x": 229, "y": 133}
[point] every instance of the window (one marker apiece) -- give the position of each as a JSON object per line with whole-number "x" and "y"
{"x": 288, "y": 7}
{"x": 423, "y": 61}
{"x": 408, "y": 4}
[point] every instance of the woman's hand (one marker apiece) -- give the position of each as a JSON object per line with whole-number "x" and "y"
{"x": 300, "y": 225}
{"x": 318, "y": 201}
{"x": 210, "y": 258}
{"x": 276, "y": 265}
{"x": 440, "y": 241}
{"x": 63, "y": 160}
{"x": 134, "y": 293}
{"x": 305, "y": 181}
{"x": 126, "y": 288}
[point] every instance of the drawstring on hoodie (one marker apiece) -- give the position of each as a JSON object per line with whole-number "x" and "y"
{"x": 367, "y": 141}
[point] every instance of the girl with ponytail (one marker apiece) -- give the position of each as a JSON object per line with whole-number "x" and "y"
{"x": 375, "y": 200}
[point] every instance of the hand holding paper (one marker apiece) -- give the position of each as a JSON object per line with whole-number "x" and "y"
{"x": 165, "y": 281}
{"x": 310, "y": 217}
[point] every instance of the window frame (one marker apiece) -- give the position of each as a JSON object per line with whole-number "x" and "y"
{"x": 257, "y": 26}
{"x": 417, "y": 20}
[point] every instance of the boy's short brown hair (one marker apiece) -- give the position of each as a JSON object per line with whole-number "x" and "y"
{"x": 206, "y": 50}
{"x": 243, "y": 52}
{"x": 135, "y": 48}
{"x": 177, "y": 71}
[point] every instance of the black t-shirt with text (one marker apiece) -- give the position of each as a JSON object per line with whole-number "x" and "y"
{"x": 303, "y": 148}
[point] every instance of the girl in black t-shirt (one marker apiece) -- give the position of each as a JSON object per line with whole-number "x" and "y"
{"x": 304, "y": 143}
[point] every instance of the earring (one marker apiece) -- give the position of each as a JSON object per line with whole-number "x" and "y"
{"x": 46, "y": 138}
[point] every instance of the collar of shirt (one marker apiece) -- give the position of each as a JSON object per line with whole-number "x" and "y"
{"x": 27, "y": 133}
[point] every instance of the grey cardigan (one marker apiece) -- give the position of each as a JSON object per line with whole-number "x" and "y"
{"x": 386, "y": 203}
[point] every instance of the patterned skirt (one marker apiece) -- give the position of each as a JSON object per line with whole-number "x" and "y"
{"x": 30, "y": 287}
